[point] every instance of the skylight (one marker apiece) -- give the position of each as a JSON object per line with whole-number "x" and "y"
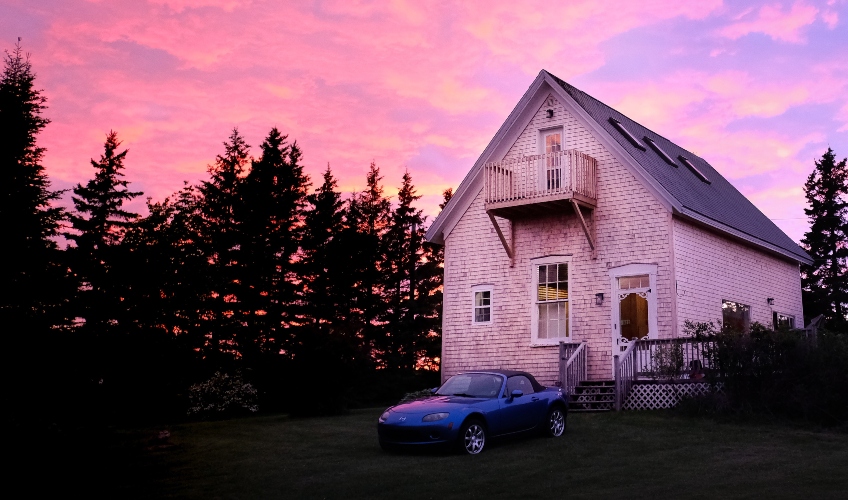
{"x": 626, "y": 133}
{"x": 659, "y": 151}
{"x": 693, "y": 169}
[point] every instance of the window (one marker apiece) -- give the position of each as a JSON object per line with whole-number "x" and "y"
{"x": 518, "y": 383}
{"x": 659, "y": 151}
{"x": 553, "y": 161}
{"x": 694, "y": 169}
{"x": 626, "y": 133}
{"x": 550, "y": 308}
{"x": 482, "y": 305}
{"x": 782, "y": 321}
{"x": 735, "y": 316}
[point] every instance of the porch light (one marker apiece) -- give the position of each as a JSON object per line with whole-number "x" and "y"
{"x": 770, "y": 301}
{"x": 550, "y": 113}
{"x": 599, "y": 299}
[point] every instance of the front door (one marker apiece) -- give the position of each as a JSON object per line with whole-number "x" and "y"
{"x": 634, "y": 302}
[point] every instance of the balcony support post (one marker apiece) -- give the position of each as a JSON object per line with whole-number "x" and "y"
{"x": 505, "y": 244}
{"x": 585, "y": 227}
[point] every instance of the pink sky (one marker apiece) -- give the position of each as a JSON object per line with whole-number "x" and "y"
{"x": 760, "y": 90}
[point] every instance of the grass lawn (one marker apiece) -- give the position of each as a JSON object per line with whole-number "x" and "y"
{"x": 630, "y": 454}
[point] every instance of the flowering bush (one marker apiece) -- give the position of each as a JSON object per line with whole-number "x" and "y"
{"x": 222, "y": 394}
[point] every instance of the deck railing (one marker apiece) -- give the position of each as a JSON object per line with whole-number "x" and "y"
{"x": 572, "y": 365}
{"x": 672, "y": 359}
{"x": 625, "y": 373}
{"x": 547, "y": 175}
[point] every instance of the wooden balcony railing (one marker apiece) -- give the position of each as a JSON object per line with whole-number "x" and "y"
{"x": 541, "y": 178}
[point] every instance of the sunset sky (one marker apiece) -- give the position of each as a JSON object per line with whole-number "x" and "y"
{"x": 759, "y": 89}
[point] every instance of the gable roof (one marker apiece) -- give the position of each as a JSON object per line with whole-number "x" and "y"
{"x": 695, "y": 191}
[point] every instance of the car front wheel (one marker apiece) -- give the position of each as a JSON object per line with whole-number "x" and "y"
{"x": 555, "y": 422}
{"x": 472, "y": 437}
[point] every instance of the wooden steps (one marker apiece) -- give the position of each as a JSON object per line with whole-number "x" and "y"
{"x": 593, "y": 396}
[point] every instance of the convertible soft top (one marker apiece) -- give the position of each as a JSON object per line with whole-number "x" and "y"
{"x": 509, "y": 373}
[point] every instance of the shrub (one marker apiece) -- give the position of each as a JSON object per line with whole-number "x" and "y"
{"x": 778, "y": 372}
{"x": 222, "y": 395}
{"x": 667, "y": 362}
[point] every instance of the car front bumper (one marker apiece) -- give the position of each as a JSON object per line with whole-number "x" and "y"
{"x": 418, "y": 434}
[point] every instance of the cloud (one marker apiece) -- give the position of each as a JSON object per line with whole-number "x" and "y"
{"x": 423, "y": 85}
{"x": 773, "y": 21}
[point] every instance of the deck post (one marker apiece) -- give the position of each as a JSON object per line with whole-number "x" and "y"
{"x": 616, "y": 364}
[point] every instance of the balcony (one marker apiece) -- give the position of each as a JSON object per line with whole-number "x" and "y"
{"x": 540, "y": 184}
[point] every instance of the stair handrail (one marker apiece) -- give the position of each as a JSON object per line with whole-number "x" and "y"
{"x": 625, "y": 372}
{"x": 573, "y": 371}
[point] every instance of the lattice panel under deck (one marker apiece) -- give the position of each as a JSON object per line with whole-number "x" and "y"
{"x": 658, "y": 396}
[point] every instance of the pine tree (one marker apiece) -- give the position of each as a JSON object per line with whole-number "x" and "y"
{"x": 273, "y": 196}
{"x": 404, "y": 253}
{"x": 99, "y": 223}
{"x": 366, "y": 221}
{"x": 825, "y": 288}
{"x": 323, "y": 258}
{"x": 33, "y": 277}
{"x": 222, "y": 239}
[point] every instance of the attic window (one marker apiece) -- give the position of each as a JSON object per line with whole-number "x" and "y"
{"x": 659, "y": 151}
{"x": 694, "y": 169}
{"x": 626, "y": 133}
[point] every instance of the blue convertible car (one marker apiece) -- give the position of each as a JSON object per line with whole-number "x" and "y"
{"x": 472, "y": 407}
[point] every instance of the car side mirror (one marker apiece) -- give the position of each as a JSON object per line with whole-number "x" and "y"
{"x": 516, "y": 394}
{"x": 433, "y": 390}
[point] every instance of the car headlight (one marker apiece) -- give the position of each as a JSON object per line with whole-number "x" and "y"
{"x": 435, "y": 416}
{"x": 384, "y": 416}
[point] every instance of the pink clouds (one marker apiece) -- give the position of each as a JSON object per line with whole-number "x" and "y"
{"x": 413, "y": 84}
{"x": 773, "y": 21}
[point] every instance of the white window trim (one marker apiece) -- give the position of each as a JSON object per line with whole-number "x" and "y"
{"x": 550, "y": 130}
{"x": 540, "y": 147}
{"x": 534, "y": 309}
{"x": 483, "y": 288}
{"x": 634, "y": 270}
{"x": 775, "y": 311}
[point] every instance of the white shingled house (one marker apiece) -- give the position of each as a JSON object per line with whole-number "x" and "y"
{"x": 581, "y": 240}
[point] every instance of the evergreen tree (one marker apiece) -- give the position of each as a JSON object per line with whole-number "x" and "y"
{"x": 366, "y": 221}
{"x": 32, "y": 281}
{"x": 222, "y": 239}
{"x": 431, "y": 298}
{"x": 99, "y": 223}
{"x": 273, "y": 196}
{"x": 323, "y": 258}
{"x": 825, "y": 288}
{"x": 404, "y": 254}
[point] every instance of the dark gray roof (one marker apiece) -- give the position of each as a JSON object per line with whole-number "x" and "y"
{"x": 717, "y": 201}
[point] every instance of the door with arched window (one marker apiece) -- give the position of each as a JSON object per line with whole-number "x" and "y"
{"x": 634, "y": 304}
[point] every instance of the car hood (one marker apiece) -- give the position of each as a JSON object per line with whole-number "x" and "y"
{"x": 437, "y": 404}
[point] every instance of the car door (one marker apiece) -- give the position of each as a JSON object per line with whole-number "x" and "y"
{"x": 523, "y": 412}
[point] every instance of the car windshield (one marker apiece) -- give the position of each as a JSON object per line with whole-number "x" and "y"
{"x": 474, "y": 385}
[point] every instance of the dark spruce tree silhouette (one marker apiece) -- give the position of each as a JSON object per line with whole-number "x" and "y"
{"x": 34, "y": 282}
{"x": 403, "y": 244}
{"x": 824, "y": 283}
{"x": 31, "y": 282}
{"x": 430, "y": 299}
{"x": 222, "y": 239}
{"x": 98, "y": 225}
{"x": 271, "y": 215}
{"x": 366, "y": 222}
